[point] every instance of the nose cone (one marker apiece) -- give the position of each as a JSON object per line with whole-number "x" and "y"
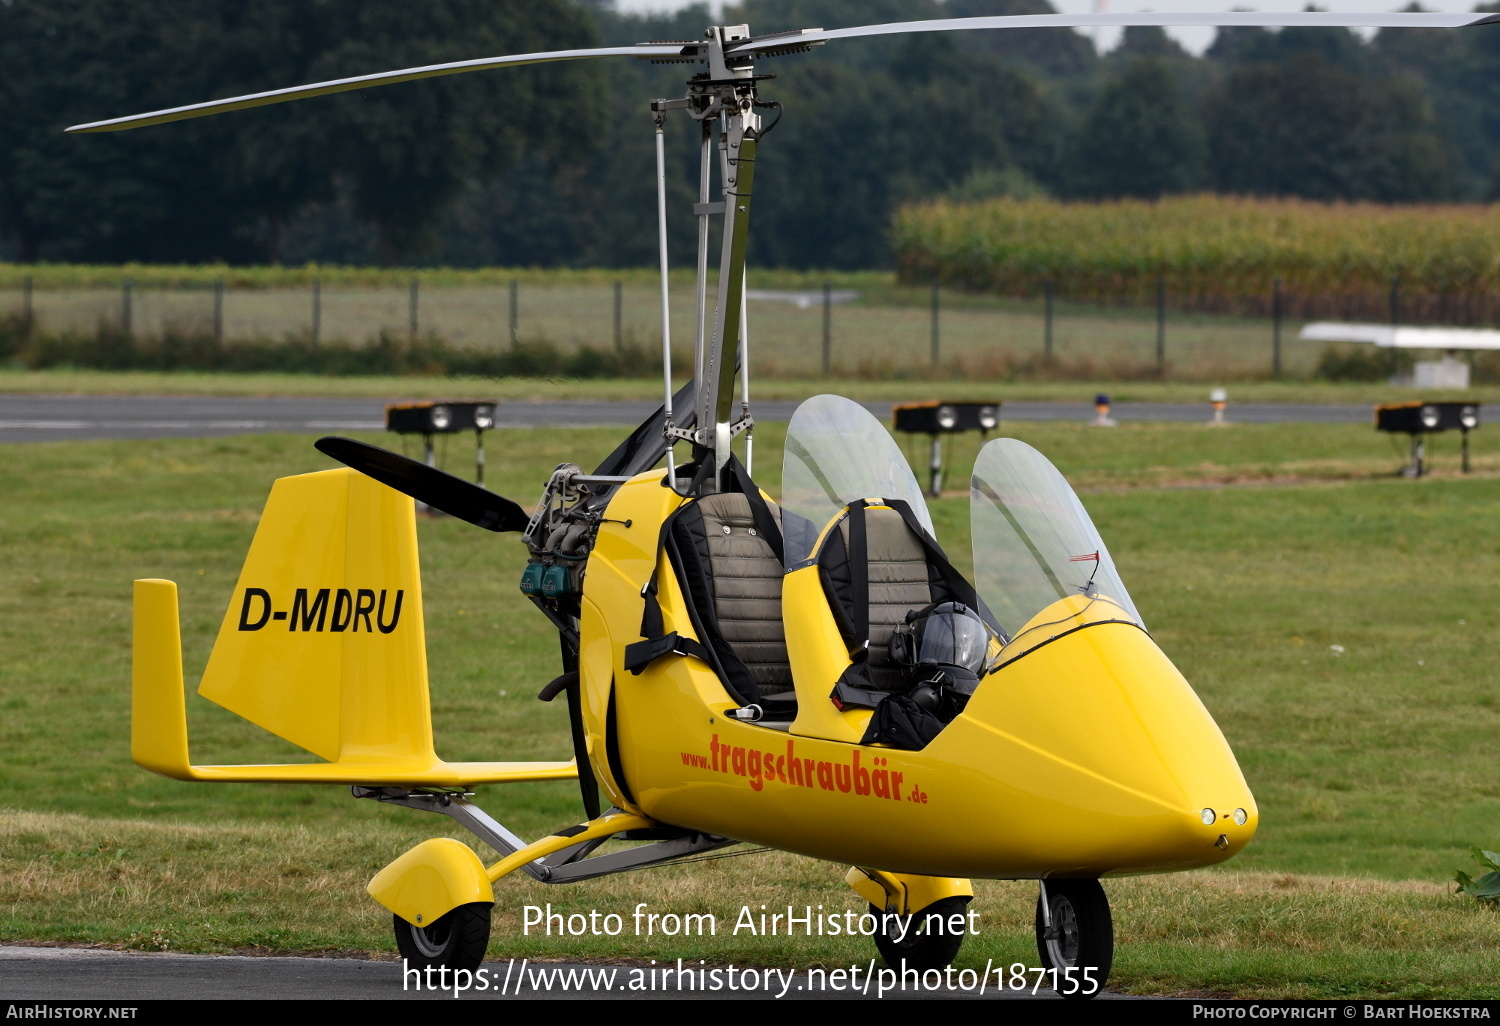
{"x": 1102, "y": 756}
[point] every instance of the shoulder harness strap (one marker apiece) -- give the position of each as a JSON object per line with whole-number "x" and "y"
{"x": 656, "y": 643}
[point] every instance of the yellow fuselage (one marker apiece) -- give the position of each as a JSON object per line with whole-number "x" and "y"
{"x": 1085, "y": 754}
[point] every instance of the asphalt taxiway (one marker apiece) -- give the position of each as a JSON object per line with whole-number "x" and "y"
{"x": 51, "y": 418}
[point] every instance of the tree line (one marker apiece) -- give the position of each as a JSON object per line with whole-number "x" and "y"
{"x": 553, "y": 165}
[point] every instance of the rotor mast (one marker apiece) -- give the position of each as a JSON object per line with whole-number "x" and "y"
{"x": 726, "y": 94}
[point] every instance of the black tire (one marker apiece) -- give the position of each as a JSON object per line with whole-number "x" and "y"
{"x": 920, "y": 949}
{"x": 457, "y": 940}
{"x": 1082, "y": 935}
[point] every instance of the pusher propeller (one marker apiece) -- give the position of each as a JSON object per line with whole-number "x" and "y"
{"x": 453, "y": 495}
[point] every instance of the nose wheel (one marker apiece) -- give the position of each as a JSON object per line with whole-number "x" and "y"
{"x": 1075, "y": 935}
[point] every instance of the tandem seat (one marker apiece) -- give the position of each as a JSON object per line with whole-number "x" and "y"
{"x": 726, "y": 550}
{"x": 877, "y": 566}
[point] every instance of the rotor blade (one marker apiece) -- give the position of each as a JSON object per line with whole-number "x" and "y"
{"x": 1165, "y": 19}
{"x": 343, "y": 85}
{"x": 453, "y": 495}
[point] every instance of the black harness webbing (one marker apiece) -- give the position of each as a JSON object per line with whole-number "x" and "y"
{"x": 854, "y": 689}
{"x": 859, "y": 571}
{"x": 765, "y": 521}
{"x": 651, "y": 622}
{"x": 641, "y": 654}
{"x": 961, "y": 589}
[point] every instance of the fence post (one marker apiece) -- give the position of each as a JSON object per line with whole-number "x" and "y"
{"x": 1161, "y": 325}
{"x": 1276, "y": 327}
{"x": 513, "y": 311}
{"x": 219, "y": 313}
{"x": 827, "y": 327}
{"x": 317, "y": 311}
{"x": 619, "y": 316}
{"x": 28, "y": 315}
{"x": 1047, "y": 330}
{"x": 411, "y": 310}
{"x": 125, "y": 307}
{"x": 935, "y": 335}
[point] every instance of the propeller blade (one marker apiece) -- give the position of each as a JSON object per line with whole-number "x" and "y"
{"x": 1165, "y": 19}
{"x": 453, "y": 495}
{"x": 343, "y": 85}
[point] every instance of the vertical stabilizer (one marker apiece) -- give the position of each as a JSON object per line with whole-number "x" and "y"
{"x": 323, "y": 640}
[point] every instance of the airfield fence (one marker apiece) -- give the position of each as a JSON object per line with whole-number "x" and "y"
{"x": 602, "y": 328}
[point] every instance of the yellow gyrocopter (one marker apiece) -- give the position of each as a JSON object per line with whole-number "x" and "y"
{"x": 811, "y": 675}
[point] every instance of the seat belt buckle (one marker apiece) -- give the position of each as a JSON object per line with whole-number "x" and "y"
{"x": 846, "y": 696}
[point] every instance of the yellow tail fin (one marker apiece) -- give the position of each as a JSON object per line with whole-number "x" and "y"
{"x": 322, "y": 645}
{"x": 323, "y": 642}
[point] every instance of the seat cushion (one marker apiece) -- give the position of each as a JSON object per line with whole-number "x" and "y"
{"x": 901, "y": 580}
{"x": 734, "y": 578}
{"x": 899, "y": 583}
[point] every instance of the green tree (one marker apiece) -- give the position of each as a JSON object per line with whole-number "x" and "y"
{"x": 1150, "y": 41}
{"x": 866, "y": 127}
{"x": 1460, "y": 75}
{"x": 408, "y": 151}
{"x": 221, "y": 188}
{"x": 1307, "y": 127}
{"x": 1058, "y": 52}
{"x": 146, "y": 195}
{"x": 1338, "y": 47}
{"x": 1139, "y": 138}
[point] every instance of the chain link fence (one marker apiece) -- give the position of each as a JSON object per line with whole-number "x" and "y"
{"x": 614, "y": 328}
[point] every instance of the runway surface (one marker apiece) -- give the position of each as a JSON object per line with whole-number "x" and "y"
{"x": 84, "y": 974}
{"x": 52, "y": 418}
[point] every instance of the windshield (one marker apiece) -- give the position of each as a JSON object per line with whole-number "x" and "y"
{"x": 1035, "y": 546}
{"x": 836, "y": 452}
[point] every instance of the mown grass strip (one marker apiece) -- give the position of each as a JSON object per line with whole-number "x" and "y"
{"x": 262, "y": 888}
{"x": 77, "y": 381}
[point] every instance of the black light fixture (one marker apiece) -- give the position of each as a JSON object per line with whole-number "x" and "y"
{"x": 1419, "y": 419}
{"x": 944, "y": 418}
{"x": 444, "y": 418}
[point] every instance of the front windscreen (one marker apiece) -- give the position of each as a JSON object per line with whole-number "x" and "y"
{"x": 1035, "y": 546}
{"x": 837, "y": 452}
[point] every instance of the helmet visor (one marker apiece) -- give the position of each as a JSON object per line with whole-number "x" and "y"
{"x": 954, "y": 638}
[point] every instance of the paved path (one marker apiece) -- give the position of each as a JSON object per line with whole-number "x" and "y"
{"x": 64, "y": 974}
{"x": 43, "y": 418}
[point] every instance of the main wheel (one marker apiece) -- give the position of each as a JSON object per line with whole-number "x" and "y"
{"x": 457, "y": 940}
{"x": 920, "y": 948}
{"x": 1081, "y": 936}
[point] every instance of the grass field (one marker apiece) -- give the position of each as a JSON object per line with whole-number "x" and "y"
{"x": 1252, "y": 552}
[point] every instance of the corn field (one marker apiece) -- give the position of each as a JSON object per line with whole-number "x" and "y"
{"x": 1359, "y": 261}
